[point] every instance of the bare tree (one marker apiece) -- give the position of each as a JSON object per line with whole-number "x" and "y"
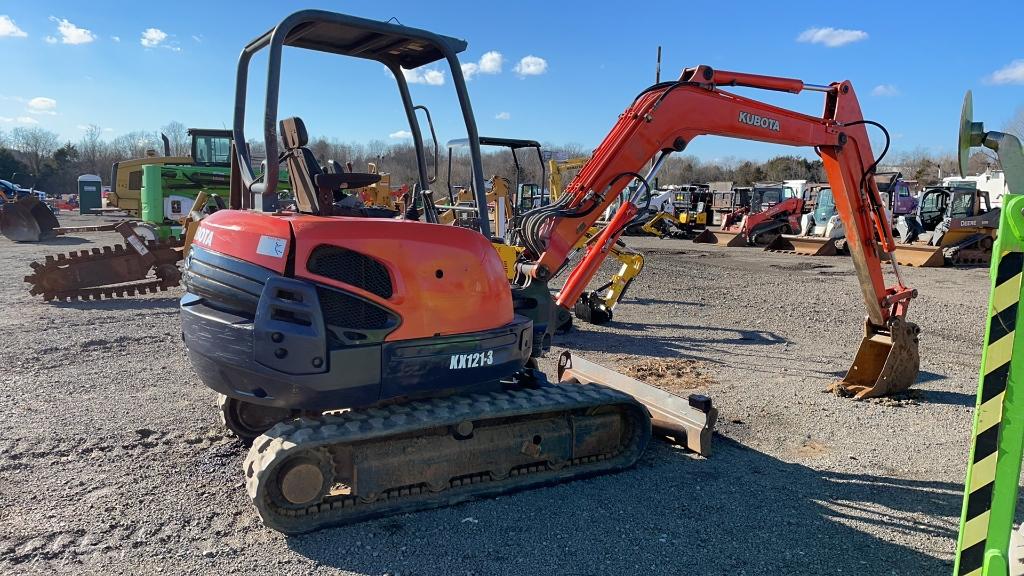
{"x": 37, "y": 144}
{"x": 177, "y": 135}
{"x": 1015, "y": 125}
{"x": 135, "y": 144}
{"x": 92, "y": 150}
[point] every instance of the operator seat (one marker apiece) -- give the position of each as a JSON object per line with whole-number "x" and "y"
{"x": 314, "y": 189}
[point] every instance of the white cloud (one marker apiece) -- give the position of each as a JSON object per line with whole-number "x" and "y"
{"x": 198, "y": 38}
{"x": 400, "y": 135}
{"x": 50, "y": 39}
{"x": 1012, "y": 73}
{"x": 9, "y": 28}
{"x": 108, "y": 129}
{"x": 531, "y": 66}
{"x": 115, "y": 38}
{"x": 71, "y": 34}
{"x": 18, "y": 120}
{"x": 885, "y": 90}
{"x": 503, "y": 116}
{"x": 490, "y": 63}
{"x": 152, "y": 37}
{"x": 429, "y": 76}
{"x": 42, "y": 105}
{"x": 831, "y": 37}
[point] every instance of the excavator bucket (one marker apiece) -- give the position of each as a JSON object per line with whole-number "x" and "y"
{"x": 27, "y": 220}
{"x": 689, "y": 421}
{"x": 728, "y": 238}
{"x": 920, "y": 255}
{"x": 803, "y": 245}
{"x": 887, "y": 362}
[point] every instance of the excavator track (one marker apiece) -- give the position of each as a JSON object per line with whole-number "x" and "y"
{"x": 108, "y": 272}
{"x": 347, "y": 467}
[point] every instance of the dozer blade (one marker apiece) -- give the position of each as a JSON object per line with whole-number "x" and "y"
{"x": 27, "y": 220}
{"x": 920, "y": 256}
{"x": 887, "y": 362}
{"x": 803, "y": 245}
{"x": 690, "y": 421}
{"x": 729, "y": 238}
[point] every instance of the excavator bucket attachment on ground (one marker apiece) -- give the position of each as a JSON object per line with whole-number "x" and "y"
{"x": 803, "y": 245}
{"x": 920, "y": 256}
{"x": 27, "y": 220}
{"x": 887, "y": 362}
{"x": 728, "y": 238}
{"x": 690, "y": 421}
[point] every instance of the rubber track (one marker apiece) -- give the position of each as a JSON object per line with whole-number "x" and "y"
{"x": 166, "y": 255}
{"x": 288, "y": 439}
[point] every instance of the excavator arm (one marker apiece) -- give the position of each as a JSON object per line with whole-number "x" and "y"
{"x": 665, "y": 118}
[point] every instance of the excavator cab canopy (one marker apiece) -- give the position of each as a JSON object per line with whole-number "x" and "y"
{"x": 526, "y": 194}
{"x": 395, "y": 46}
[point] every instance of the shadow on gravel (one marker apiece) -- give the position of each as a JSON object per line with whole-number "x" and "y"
{"x": 926, "y": 376}
{"x": 739, "y": 512}
{"x": 158, "y": 303}
{"x": 950, "y": 398}
{"x": 655, "y": 301}
{"x": 635, "y": 338}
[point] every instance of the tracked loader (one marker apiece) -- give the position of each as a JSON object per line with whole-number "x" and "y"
{"x": 954, "y": 225}
{"x": 384, "y": 366}
{"x": 773, "y": 209}
{"x": 820, "y": 229}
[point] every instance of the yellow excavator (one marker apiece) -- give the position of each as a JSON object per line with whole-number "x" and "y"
{"x": 595, "y": 307}
{"x": 558, "y": 173}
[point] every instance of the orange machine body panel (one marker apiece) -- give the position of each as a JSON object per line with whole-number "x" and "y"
{"x": 446, "y": 280}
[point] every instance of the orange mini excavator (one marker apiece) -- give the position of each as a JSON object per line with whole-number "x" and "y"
{"x": 383, "y": 365}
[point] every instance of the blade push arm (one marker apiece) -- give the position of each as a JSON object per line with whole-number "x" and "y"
{"x": 669, "y": 116}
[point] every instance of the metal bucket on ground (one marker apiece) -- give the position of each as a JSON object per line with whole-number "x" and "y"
{"x": 728, "y": 238}
{"x": 803, "y": 245}
{"x": 919, "y": 255}
{"x": 27, "y": 220}
{"x": 887, "y": 362}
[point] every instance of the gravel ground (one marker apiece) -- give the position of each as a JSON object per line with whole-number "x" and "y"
{"x": 112, "y": 461}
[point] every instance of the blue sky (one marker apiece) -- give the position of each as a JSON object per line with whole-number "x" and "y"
{"x": 69, "y": 64}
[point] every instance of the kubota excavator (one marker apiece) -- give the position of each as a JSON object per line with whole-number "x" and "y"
{"x": 665, "y": 118}
{"x": 404, "y": 343}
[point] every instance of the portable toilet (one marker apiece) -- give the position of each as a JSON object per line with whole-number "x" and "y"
{"x": 90, "y": 196}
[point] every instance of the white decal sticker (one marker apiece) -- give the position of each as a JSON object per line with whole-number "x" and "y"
{"x": 270, "y": 246}
{"x": 204, "y": 236}
{"x": 474, "y": 360}
{"x": 138, "y": 245}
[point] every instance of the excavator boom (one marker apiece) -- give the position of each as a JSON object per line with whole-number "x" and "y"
{"x": 666, "y": 117}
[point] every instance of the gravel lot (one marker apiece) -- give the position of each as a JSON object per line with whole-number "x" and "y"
{"x": 112, "y": 460}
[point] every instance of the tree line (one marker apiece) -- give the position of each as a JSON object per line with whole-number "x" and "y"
{"x": 36, "y": 157}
